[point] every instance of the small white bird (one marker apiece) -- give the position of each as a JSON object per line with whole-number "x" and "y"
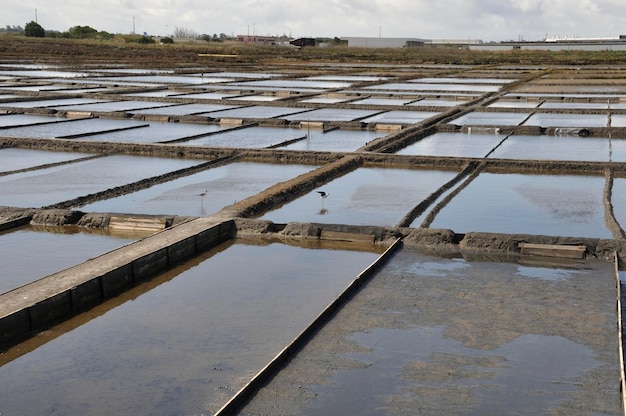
{"x": 202, "y": 194}
{"x": 322, "y": 194}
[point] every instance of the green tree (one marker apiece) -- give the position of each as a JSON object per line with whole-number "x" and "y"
{"x": 34, "y": 30}
{"x": 83, "y": 32}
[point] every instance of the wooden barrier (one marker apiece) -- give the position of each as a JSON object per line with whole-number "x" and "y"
{"x": 553, "y": 250}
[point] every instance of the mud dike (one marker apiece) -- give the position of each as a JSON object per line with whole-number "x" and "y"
{"x": 41, "y": 305}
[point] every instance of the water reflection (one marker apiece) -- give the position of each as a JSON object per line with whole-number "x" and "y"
{"x": 186, "y": 345}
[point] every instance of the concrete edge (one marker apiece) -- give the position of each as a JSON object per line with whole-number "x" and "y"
{"x": 54, "y": 298}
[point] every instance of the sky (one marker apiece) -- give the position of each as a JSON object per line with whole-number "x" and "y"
{"x": 487, "y": 20}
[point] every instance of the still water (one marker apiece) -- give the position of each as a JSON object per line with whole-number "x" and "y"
{"x": 225, "y": 185}
{"x": 185, "y": 342}
{"x": 49, "y": 186}
{"x": 366, "y": 196}
{"x": 532, "y": 204}
{"x": 32, "y": 252}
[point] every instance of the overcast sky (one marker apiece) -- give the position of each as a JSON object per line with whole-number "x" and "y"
{"x": 444, "y": 19}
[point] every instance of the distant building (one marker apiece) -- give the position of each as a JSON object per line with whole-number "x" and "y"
{"x": 257, "y": 40}
{"x": 360, "y": 42}
{"x": 558, "y": 44}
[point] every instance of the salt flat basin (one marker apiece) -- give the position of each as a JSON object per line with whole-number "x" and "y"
{"x": 366, "y": 196}
{"x": 43, "y": 73}
{"x": 460, "y": 80}
{"x": 225, "y": 185}
{"x": 458, "y": 337}
{"x": 184, "y": 109}
{"x": 331, "y": 114}
{"x": 72, "y": 127}
{"x": 256, "y": 111}
{"x": 160, "y": 93}
{"x": 44, "y": 187}
{"x": 12, "y": 120}
{"x": 454, "y": 145}
{"x": 32, "y": 252}
{"x": 425, "y": 86}
{"x": 50, "y": 103}
{"x": 114, "y": 106}
{"x": 188, "y": 340}
{"x": 250, "y": 137}
{"x": 432, "y": 102}
{"x": 561, "y": 205}
{"x": 154, "y": 132}
{"x": 400, "y": 117}
{"x": 383, "y": 101}
{"x": 486, "y": 118}
{"x": 169, "y": 79}
{"x": 560, "y": 148}
{"x": 567, "y": 120}
{"x": 514, "y": 104}
{"x": 205, "y": 95}
{"x": 295, "y": 83}
{"x": 335, "y": 140}
{"x": 12, "y": 158}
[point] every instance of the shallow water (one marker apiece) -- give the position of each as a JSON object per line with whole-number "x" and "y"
{"x": 72, "y": 128}
{"x": 279, "y": 83}
{"x": 155, "y": 131}
{"x": 567, "y": 120}
{"x": 250, "y": 137}
{"x": 113, "y": 106}
{"x": 400, "y": 117}
{"x": 184, "y": 109}
{"x": 479, "y": 118}
{"x": 554, "y": 148}
{"x": 454, "y": 145}
{"x": 225, "y": 185}
{"x": 49, "y": 103}
{"x": 532, "y": 204}
{"x": 459, "y": 337}
{"x": 14, "y": 158}
{"x": 331, "y": 114}
{"x": 335, "y": 140}
{"x": 32, "y": 252}
{"x": 366, "y": 196}
{"x": 26, "y": 119}
{"x": 190, "y": 342}
{"x": 49, "y": 186}
{"x": 255, "y": 112}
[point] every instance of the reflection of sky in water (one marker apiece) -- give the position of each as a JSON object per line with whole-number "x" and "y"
{"x": 15, "y": 158}
{"x": 49, "y": 186}
{"x": 483, "y": 118}
{"x": 225, "y": 185}
{"x": 23, "y": 119}
{"x": 454, "y": 144}
{"x": 544, "y": 273}
{"x": 567, "y": 120}
{"x": 557, "y": 148}
{"x": 187, "y": 345}
{"x": 155, "y": 131}
{"x": 367, "y": 196}
{"x": 531, "y": 204}
{"x": 250, "y": 137}
{"x": 33, "y": 254}
{"x": 335, "y": 140}
{"x": 71, "y": 128}
{"x": 525, "y": 376}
